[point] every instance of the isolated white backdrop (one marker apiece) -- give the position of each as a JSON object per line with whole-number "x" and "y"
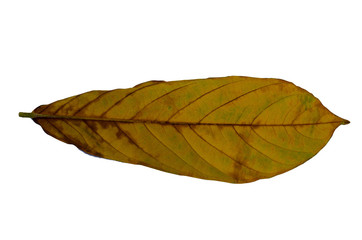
{"x": 50, "y": 50}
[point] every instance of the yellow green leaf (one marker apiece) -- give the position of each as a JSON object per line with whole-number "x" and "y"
{"x": 232, "y": 129}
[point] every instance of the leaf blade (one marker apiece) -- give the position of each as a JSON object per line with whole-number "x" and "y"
{"x": 232, "y": 129}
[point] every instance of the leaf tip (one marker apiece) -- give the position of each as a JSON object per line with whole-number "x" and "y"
{"x": 345, "y": 122}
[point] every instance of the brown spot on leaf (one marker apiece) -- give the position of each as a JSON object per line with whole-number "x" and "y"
{"x": 97, "y": 154}
{"x": 92, "y": 125}
{"x": 90, "y": 151}
{"x": 119, "y": 134}
{"x": 77, "y": 122}
{"x": 105, "y": 124}
{"x": 68, "y": 110}
{"x": 237, "y": 174}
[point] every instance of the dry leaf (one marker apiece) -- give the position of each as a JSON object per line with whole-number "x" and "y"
{"x": 231, "y": 129}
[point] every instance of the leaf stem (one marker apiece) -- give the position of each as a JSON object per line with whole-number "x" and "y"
{"x": 26, "y": 115}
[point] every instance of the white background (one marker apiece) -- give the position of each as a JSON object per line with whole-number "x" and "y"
{"x": 50, "y": 50}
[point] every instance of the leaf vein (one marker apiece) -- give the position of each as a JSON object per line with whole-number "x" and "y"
{"x": 257, "y": 149}
{"x": 219, "y": 170}
{"x": 127, "y": 95}
{"x": 192, "y": 102}
{"x": 172, "y": 151}
{"x": 108, "y": 143}
{"x": 143, "y": 150}
{"x": 238, "y": 97}
{"x": 276, "y": 144}
{"x": 85, "y": 141}
{"x": 281, "y": 99}
{"x": 140, "y": 111}
{"x": 237, "y": 162}
{"x": 70, "y": 100}
{"x": 304, "y": 134}
{"x": 90, "y": 102}
{"x": 56, "y": 128}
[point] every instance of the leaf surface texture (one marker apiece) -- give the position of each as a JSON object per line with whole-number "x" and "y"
{"x": 232, "y": 129}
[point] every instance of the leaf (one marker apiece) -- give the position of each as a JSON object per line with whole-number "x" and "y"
{"x": 232, "y": 129}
